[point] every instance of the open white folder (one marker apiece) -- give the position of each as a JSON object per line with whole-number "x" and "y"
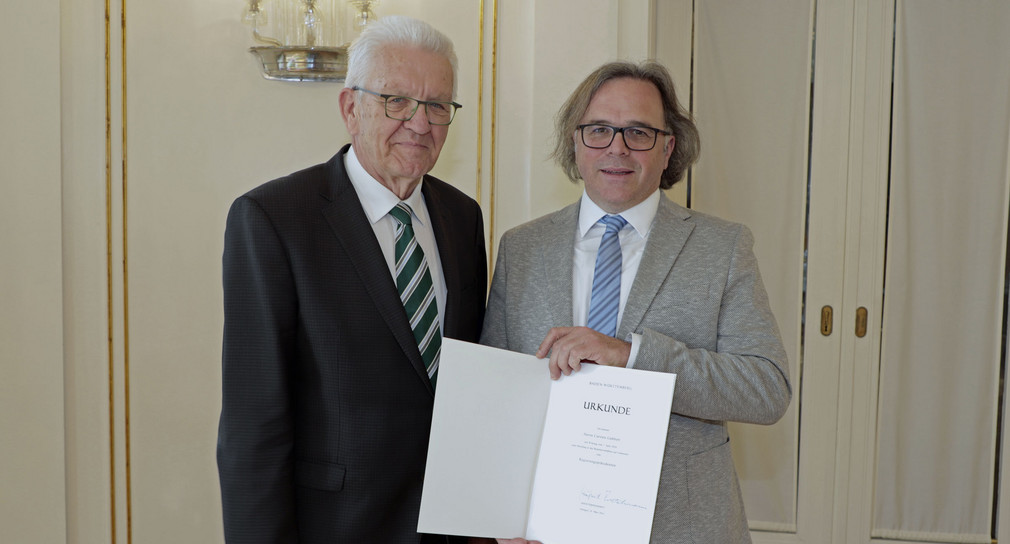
{"x": 514, "y": 454}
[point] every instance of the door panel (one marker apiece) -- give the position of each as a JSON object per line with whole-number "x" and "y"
{"x": 942, "y": 314}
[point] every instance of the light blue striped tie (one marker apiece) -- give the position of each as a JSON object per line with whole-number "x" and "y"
{"x": 606, "y": 297}
{"x": 417, "y": 292}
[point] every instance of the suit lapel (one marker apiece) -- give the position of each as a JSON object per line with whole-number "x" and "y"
{"x": 350, "y": 225}
{"x": 557, "y": 255}
{"x": 441, "y": 224}
{"x": 670, "y": 231}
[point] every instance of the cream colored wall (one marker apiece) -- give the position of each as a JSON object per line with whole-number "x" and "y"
{"x": 31, "y": 276}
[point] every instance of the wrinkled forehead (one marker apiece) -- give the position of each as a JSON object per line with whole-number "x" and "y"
{"x": 408, "y": 71}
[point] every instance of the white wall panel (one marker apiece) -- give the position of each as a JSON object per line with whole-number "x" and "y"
{"x": 86, "y": 274}
{"x": 31, "y": 277}
{"x": 550, "y": 49}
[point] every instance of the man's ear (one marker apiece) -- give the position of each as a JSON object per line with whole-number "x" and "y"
{"x": 349, "y": 109}
{"x": 668, "y": 148}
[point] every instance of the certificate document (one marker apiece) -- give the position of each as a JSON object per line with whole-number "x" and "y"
{"x": 513, "y": 453}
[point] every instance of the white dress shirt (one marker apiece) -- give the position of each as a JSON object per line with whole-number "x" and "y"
{"x": 377, "y": 201}
{"x": 587, "y": 242}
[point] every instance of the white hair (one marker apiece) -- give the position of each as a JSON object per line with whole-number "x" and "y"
{"x": 394, "y": 30}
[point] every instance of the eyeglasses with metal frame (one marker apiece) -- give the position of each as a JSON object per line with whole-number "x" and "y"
{"x": 403, "y": 108}
{"x": 600, "y": 136}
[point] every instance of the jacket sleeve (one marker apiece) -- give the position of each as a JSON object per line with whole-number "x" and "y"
{"x": 744, "y": 376}
{"x": 255, "y": 436}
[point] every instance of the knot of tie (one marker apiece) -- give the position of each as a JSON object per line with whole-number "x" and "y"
{"x": 401, "y": 212}
{"x": 613, "y": 223}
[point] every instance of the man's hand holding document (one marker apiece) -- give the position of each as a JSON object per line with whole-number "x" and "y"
{"x": 514, "y": 453}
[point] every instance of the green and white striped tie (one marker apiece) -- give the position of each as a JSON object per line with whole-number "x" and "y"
{"x": 417, "y": 293}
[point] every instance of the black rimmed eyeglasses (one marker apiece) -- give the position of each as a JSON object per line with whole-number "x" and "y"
{"x": 599, "y": 136}
{"x": 403, "y": 108}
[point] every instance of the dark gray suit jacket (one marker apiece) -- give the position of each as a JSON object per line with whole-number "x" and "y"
{"x": 327, "y": 406}
{"x": 701, "y": 308}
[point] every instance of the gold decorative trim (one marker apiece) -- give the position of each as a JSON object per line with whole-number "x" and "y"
{"x": 108, "y": 269}
{"x": 494, "y": 118}
{"x": 480, "y": 97}
{"x": 480, "y": 121}
{"x": 110, "y": 278}
{"x": 126, "y": 298}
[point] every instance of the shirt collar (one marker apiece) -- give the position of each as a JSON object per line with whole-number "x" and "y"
{"x": 375, "y": 198}
{"x": 639, "y": 216}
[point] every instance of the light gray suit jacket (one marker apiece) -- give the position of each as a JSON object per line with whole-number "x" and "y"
{"x": 700, "y": 305}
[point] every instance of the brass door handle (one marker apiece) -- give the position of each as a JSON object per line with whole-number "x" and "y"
{"x": 861, "y": 322}
{"x": 826, "y": 320}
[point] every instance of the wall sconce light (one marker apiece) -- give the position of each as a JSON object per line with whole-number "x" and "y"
{"x": 306, "y": 40}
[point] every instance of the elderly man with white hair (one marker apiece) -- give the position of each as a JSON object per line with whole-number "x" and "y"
{"x": 340, "y": 282}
